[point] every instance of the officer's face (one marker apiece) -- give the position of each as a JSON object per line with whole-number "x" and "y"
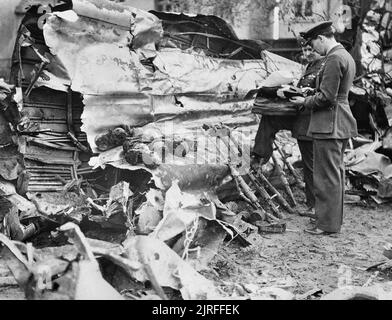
{"x": 310, "y": 54}
{"x": 317, "y": 45}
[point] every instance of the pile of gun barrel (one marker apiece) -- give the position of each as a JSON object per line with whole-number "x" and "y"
{"x": 259, "y": 190}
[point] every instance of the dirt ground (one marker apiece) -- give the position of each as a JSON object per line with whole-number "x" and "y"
{"x": 294, "y": 261}
{"x": 299, "y": 262}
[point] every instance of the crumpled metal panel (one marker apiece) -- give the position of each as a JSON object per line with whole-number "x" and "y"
{"x": 374, "y": 163}
{"x": 104, "y": 66}
{"x": 97, "y": 42}
{"x": 189, "y": 175}
{"x": 366, "y": 161}
{"x": 190, "y": 73}
{"x": 175, "y": 91}
{"x": 116, "y": 14}
{"x": 99, "y": 68}
{"x": 208, "y": 34}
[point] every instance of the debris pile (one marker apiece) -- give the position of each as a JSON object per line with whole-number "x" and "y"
{"x": 124, "y": 173}
{"x": 116, "y": 155}
{"x": 368, "y": 164}
{"x": 369, "y": 173}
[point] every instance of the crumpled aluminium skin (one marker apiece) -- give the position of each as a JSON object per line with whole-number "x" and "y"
{"x": 126, "y": 80}
{"x": 114, "y": 81}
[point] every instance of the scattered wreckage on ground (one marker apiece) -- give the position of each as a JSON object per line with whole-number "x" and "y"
{"x": 108, "y": 134}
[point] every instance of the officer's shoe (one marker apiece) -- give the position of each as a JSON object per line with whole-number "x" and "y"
{"x": 318, "y": 232}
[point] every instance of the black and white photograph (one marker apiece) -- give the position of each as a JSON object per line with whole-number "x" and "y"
{"x": 204, "y": 156}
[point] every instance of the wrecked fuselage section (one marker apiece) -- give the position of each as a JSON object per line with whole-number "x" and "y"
{"x": 129, "y": 162}
{"x": 117, "y": 137}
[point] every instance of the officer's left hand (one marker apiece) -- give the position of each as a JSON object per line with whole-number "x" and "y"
{"x": 297, "y": 100}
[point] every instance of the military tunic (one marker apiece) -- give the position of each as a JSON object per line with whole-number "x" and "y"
{"x": 331, "y": 125}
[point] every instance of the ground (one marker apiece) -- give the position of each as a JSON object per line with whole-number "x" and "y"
{"x": 295, "y": 261}
{"x": 299, "y": 262}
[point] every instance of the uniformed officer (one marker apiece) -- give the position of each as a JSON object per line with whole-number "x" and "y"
{"x": 331, "y": 126}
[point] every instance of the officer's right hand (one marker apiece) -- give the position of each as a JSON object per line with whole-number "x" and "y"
{"x": 297, "y": 100}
